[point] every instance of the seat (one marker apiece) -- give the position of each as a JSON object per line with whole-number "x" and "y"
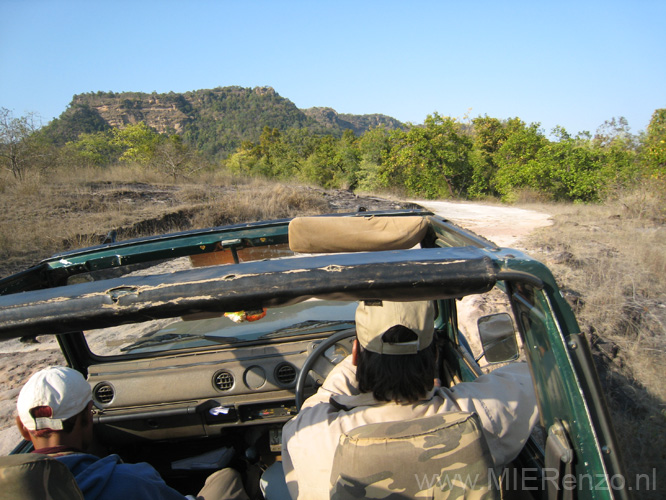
{"x": 36, "y": 477}
{"x": 355, "y": 234}
{"x": 443, "y": 456}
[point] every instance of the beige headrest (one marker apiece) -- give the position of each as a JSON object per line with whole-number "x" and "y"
{"x": 355, "y": 234}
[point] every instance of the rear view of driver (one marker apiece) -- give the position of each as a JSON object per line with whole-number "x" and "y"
{"x": 390, "y": 378}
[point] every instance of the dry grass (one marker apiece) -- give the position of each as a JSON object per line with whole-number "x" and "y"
{"x": 611, "y": 261}
{"x": 69, "y": 209}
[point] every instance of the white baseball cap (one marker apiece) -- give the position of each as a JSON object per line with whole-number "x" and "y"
{"x": 373, "y": 319}
{"x": 62, "y": 390}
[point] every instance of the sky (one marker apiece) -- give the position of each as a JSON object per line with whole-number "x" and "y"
{"x": 573, "y": 64}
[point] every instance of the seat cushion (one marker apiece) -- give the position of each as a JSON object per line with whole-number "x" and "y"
{"x": 38, "y": 477}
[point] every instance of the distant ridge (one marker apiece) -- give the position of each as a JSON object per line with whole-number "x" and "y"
{"x": 216, "y": 121}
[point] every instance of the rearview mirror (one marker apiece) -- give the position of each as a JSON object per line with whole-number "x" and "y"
{"x": 498, "y": 338}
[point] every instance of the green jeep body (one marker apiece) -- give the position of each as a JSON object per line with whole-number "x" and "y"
{"x": 144, "y": 406}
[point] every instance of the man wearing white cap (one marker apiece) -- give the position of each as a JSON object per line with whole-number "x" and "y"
{"x": 55, "y": 413}
{"x": 390, "y": 376}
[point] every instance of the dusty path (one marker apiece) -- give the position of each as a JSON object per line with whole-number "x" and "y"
{"x": 504, "y": 226}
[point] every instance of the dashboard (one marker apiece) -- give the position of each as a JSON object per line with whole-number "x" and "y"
{"x": 201, "y": 394}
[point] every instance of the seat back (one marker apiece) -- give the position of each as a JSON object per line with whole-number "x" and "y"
{"x": 36, "y": 477}
{"x": 355, "y": 234}
{"x": 443, "y": 456}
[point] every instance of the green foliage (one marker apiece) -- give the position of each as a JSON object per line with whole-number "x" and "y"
{"x": 78, "y": 119}
{"x": 515, "y": 159}
{"x": 489, "y": 134}
{"x": 430, "y": 161}
{"x": 653, "y": 151}
{"x": 444, "y": 158}
{"x": 94, "y": 149}
{"x": 137, "y": 142}
{"x": 213, "y": 122}
{"x": 258, "y": 133}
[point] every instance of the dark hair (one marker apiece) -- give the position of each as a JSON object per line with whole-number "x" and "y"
{"x": 400, "y": 378}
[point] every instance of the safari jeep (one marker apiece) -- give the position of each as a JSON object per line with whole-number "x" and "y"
{"x": 199, "y": 346}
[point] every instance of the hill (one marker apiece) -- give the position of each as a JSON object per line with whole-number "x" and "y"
{"x": 215, "y": 121}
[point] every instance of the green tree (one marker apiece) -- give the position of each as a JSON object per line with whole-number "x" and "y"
{"x": 568, "y": 170}
{"x": 615, "y": 131}
{"x": 347, "y": 159}
{"x": 653, "y": 147}
{"x": 320, "y": 167}
{"x": 430, "y": 161}
{"x": 489, "y": 134}
{"x": 243, "y": 161}
{"x": 94, "y": 149}
{"x": 137, "y": 142}
{"x": 516, "y": 158}
{"x": 374, "y": 147}
{"x": 78, "y": 119}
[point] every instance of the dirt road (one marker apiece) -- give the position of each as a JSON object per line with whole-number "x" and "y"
{"x": 504, "y": 226}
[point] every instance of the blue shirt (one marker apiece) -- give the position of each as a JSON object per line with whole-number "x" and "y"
{"x": 109, "y": 479}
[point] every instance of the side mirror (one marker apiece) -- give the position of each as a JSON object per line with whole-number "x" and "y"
{"x": 498, "y": 338}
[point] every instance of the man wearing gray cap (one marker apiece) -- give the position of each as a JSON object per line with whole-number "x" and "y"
{"x": 390, "y": 377}
{"x": 55, "y": 413}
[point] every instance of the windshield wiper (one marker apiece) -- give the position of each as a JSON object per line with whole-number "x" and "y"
{"x": 160, "y": 339}
{"x": 310, "y": 326}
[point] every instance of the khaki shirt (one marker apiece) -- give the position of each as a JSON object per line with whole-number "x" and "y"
{"x": 504, "y": 400}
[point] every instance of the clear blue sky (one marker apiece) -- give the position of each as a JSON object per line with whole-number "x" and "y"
{"x": 569, "y": 63}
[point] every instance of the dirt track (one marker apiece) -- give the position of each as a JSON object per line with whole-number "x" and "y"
{"x": 505, "y": 226}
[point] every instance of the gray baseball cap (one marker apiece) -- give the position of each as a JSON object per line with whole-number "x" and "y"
{"x": 374, "y": 318}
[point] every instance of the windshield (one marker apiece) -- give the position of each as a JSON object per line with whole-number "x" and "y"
{"x": 234, "y": 327}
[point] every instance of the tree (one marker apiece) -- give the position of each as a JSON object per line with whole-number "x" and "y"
{"x": 489, "y": 134}
{"x": 78, "y": 119}
{"x": 516, "y": 159}
{"x": 173, "y": 157}
{"x": 430, "y": 161}
{"x": 18, "y": 146}
{"x": 94, "y": 149}
{"x": 320, "y": 167}
{"x": 653, "y": 150}
{"x": 137, "y": 142}
{"x": 615, "y": 131}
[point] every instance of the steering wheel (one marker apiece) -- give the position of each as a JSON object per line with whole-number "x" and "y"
{"x": 312, "y": 359}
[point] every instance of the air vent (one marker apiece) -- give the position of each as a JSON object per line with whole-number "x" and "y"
{"x": 285, "y": 374}
{"x": 223, "y": 380}
{"x": 103, "y": 393}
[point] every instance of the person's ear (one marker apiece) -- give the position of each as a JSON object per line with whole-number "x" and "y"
{"x": 355, "y": 350}
{"x": 87, "y": 415}
{"x": 25, "y": 433}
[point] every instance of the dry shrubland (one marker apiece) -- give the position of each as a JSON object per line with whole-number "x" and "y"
{"x": 610, "y": 261}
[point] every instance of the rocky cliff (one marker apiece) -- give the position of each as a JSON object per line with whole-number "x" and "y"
{"x": 215, "y": 120}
